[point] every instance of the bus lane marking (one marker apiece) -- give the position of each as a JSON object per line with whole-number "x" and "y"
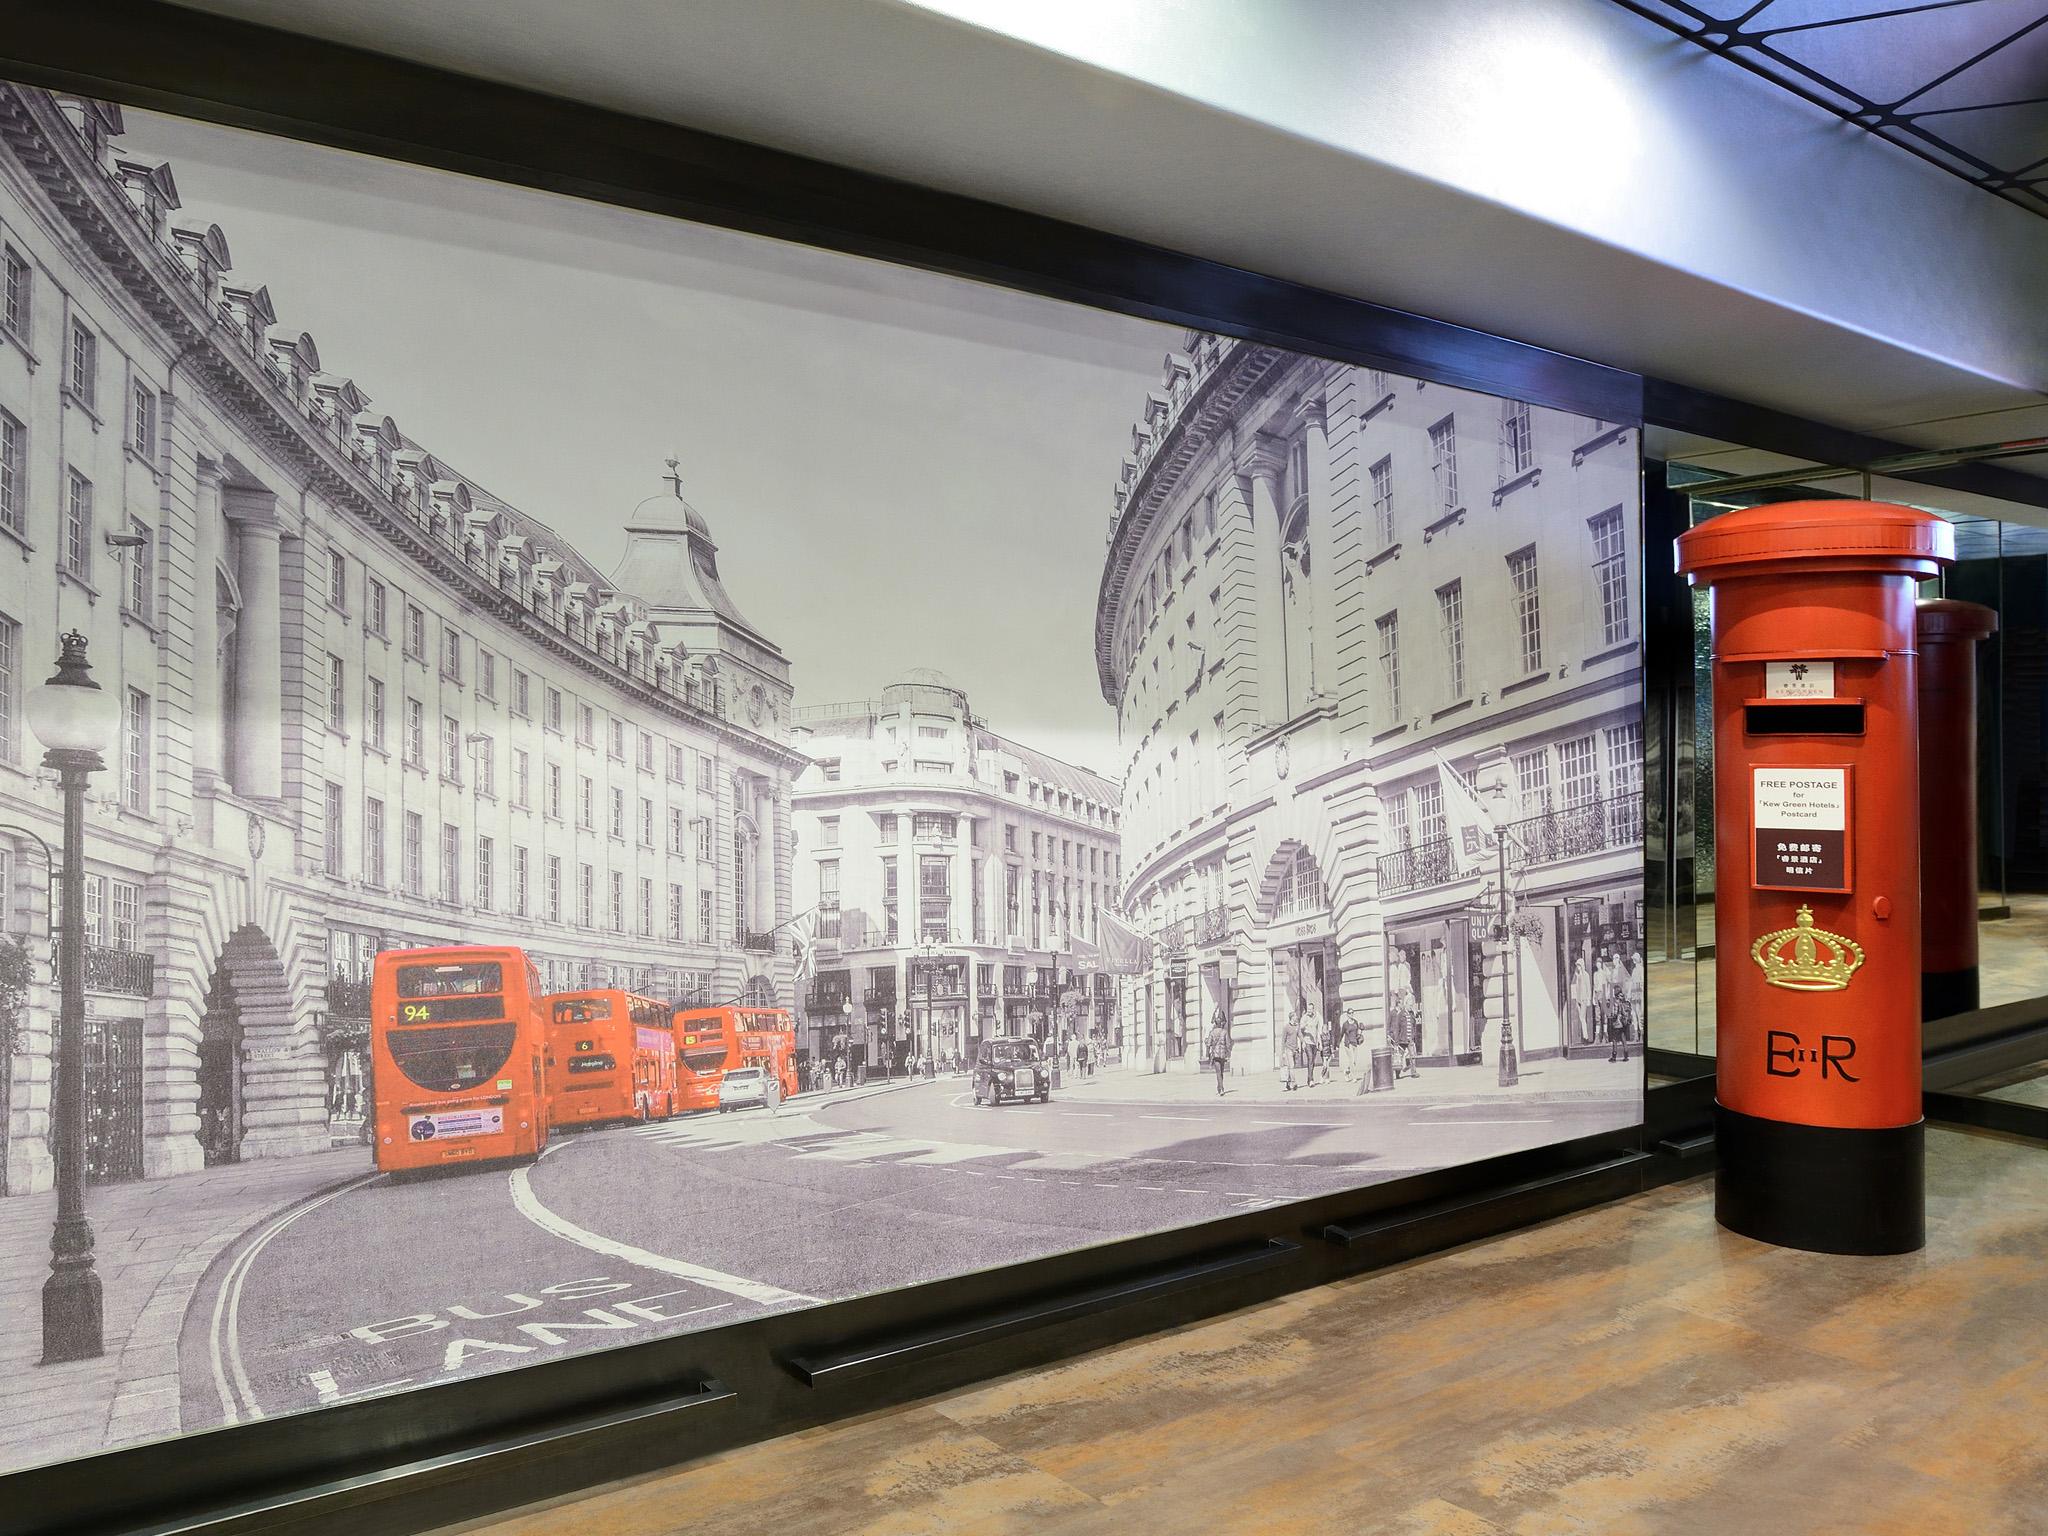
{"x": 759, "y": 1292}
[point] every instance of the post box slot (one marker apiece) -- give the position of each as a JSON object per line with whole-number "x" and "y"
{"x": 1817, "y": 719}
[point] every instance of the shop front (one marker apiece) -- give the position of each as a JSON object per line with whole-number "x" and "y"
{"x": 1436, "y": 989}
{"x": 1599, "y": 960}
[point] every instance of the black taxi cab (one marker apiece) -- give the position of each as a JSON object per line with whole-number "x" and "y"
{"x": 1010, "y": 1068}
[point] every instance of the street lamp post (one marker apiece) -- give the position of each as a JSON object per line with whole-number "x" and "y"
{"x": 73, "y": 717}
{"x": 1510, "y": 1073}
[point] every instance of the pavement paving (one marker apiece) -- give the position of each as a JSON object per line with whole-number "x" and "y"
{"x": 1539, "y": 1082}
{"x": 153, "y": 1243}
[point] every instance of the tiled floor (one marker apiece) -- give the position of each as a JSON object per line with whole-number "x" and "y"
{"x": 1631, "y": 1371}
{"x": 2012, "y": 966}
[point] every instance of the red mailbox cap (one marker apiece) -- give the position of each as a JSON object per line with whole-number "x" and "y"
{"x": 1816, "y": 535}
{"x": 1947, "y": 618}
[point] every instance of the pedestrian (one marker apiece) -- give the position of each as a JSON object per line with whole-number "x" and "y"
{"x": 1354, "y": 1037}
{"x": 1218, "y": 1048}
{"x": 1632, "y": 991}
{"x": 1290, "y": 1047}
{"x": 1581, "y": 993}
{"x": 1611, "y": 1005}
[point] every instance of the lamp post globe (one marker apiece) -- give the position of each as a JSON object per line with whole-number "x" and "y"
{"x": 74, "y": 718}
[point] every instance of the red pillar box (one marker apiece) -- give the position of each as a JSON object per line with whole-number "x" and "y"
{"x": 1949, "y": 633}
{"x": 1817, "y": 869}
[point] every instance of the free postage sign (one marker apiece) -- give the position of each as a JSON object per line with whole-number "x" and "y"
{"x": 1801, "y": 822}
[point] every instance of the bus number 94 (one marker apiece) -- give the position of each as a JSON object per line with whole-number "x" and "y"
{"x": 415, "y": 1013}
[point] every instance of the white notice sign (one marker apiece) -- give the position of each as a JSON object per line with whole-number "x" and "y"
{"x": 1801, "y": 819}
{"x": 1799, "y": 679}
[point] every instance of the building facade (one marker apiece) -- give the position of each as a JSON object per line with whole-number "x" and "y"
{"x": 957, "y": 877}
{"x": 366, "y": 703}
{"x": 1337, "y": 605}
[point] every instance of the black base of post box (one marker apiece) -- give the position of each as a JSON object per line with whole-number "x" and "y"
{"x": 1945, "y": 992}
{"x": 1821, "y": 1188}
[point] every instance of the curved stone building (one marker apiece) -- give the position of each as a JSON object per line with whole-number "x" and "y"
{"x": 366, "y": 703}
{"x": 1332, "y": 597}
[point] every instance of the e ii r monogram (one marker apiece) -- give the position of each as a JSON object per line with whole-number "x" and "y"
{"x": 1832, "y": 1055}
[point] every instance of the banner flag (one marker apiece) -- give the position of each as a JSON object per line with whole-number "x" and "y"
{"x": 1473, "y": 827}
{"x": 803, "y": 931}
{"x": 1125, "y": 951}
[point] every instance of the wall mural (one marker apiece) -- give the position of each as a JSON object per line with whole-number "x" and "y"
{"x": 648, "y": 776}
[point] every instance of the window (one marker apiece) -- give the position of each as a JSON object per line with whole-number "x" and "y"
{"x": 1429, "y": 806}
{"x": 704, "y": 850}
{"x": 142, "y": 421}
{"x": 451, "y": 749}
{"x": 1376, "y": 383}
{"x": 486, "y": 872}
{"x": 415, "y": 854}
{"x": 707, "y": 916}
{"x": 678, "y": 914}
{"x": 18, "y": 296}
{"x": 646, "y": 760}
{"x": 678, "y": 765}
{"x": 1581, "y": 771}
{"x": 929, "y": 765}
{"x": 932, "y": 732}
{"x": 1517, "y": 440}
{"x": 1383, "y": 500}
{"x": 935, "y": 896}
{"x": 486, "y": 673}
{"x": 416, "y": 733}
{"x": 75, "y": 555}
{"x": 124, "y": 907}
{"x": 485, "y": 754}
{"x": 373, "y": 840}
{"x": 373, "y": 620}
{"x": 1450, "y": 612}
{"x": 520, "y": 862}
{"x": 332, "y": 830}
{"x": 337, "y": 580}
{"x": 451, "y": 862}
{"x": 10, "y": 689}
{"x": 586, "y": 726}
{"x": 415, "y": 632}
{"x": 927, "y": 825}
{"x": 586, "y": 803}
{"x": 85, "y": 364}
{"x": 1010, "y": 836}
{"x": 706, "y": 783}
{"x": 618, "y": 819}
{"x": 554, "y": 810}
{"x": 135, "y": 751}
{"x": 1625, "y": 763}
{"x": 13, "y": 473}
{"x": 522, "y": 778}
{"x": 1528, "y": 606}
{"x": 885, "y": 829}
{"x": 337, "y": 686}
{"x": 551, "y": 718}
{"x": 138, "y": 597}
{"x": 1610, "y": 569}
{"x": 829, "y": 768}
{"x": 828, "y": 899}
{"x": 617, "y": 748}
{"x": 373, "y": 714}
{"x": 1012, "y": 880}
{"x": 586, "y": 895}
{"x": 1389, "y": 625}
{"x": 1301, "y": 886}
{"x": 522, "y": 694}
{"x": 1532, "y": 781}
{"x": 554, "y": 888}
{"x": 828, "y": 831}
{"x": 451, "y": 653}
{"x": 646, "y": 906}
{"x": 1443, "y": 456}
{"x": 889, "y": 901}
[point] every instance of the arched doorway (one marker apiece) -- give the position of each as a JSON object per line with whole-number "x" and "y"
{"x": 248, "y": 993}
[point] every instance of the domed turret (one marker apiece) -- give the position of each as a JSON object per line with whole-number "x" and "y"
{"x": 671, "y": 562}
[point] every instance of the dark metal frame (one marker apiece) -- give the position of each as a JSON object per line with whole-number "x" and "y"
{"x": 425, "y": 1457}
{"x": 1743, "y": 32}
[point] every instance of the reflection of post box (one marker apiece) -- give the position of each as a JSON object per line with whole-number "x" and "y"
{"x": 1817, "y": 871}
{"x": 1949, "y": 633}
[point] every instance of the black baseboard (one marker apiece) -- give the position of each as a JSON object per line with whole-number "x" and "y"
{"x": 1822, "y": 1189}
{"x": 1943, "y": 993}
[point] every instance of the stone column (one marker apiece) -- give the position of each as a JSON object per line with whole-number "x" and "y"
{"x": 1262, "y": 461}
{"x": 259, "y": 647}
{"x": 209, "y": 536}
{"x": 1322, "y": 537}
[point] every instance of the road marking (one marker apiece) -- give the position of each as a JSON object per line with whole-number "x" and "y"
{"x": 1310, "y": 1125}
{"x": 1186, "y": 1119}
{"x": 224, "y": 1336}
{"x": 1462, "y": 1123}
{"x": 1088, "y": 1114}
{"x": 759, "y": 1292}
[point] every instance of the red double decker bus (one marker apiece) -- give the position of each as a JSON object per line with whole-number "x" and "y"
{"x": 457, "y": 1051}
{"x": 611, "y": 1056}
{"x": 709, "y": 1042}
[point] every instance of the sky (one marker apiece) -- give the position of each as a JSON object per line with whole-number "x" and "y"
{"x": 900, "y": 469}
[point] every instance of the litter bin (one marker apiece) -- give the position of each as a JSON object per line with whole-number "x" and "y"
{"x": 1382, "y": 1075}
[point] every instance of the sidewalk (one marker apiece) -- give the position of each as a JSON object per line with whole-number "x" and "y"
{"x": 1541, "y": 1082}
{"x": 154, "y": 1241}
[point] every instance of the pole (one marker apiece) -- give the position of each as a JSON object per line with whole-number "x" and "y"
{"x": 73, "y": 1310}
{"x": 1510, "y": 1074}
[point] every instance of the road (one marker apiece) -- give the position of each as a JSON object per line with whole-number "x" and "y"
{"x": 619, "y": 1235}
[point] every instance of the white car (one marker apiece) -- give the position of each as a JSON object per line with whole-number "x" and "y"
{"x": 744, "y": 1088}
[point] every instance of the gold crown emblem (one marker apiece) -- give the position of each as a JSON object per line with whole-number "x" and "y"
{"x": 1803, "y": 970}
